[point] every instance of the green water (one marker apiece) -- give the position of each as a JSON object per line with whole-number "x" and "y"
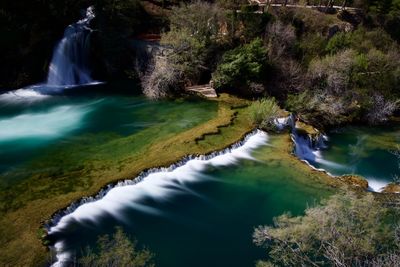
{"x": 366, "y": 151}
{"x": 61, "y": 132}
{"x": 206, "y": 221}
{"x": 209, "y": 217}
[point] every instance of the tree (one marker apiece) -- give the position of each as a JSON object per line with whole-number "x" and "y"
{"x": 195, "y": 32}
{"x": 346, "y": 230}
{"x": 242, "y": 66}
{"x": 116, "y": 251}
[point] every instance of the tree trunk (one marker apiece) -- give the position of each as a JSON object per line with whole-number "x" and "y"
{"x": 344, "y": 4}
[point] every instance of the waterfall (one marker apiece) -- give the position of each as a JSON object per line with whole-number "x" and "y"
{"x": 306, "y": 147}
{"x": 157, "y": 183}
{"x": 69, "y": 64}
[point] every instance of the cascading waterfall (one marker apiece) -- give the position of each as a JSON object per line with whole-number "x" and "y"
{"x": 69, "y": 64}
{"x": 306, "y": 147}
{"x": 158, "y": 183}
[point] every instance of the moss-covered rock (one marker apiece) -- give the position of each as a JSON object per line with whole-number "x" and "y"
{"x": 303, "y": 128}
{"x": 392, "y": 188}
{"x": 355, "y": 180}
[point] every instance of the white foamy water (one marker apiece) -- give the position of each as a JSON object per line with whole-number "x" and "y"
{"x": 47, "y": 124}
{"x": 376, "y": 185}
{"x": 22, "y": 95}
{"x": 69, "y": 64}
{"x": 158, "y": 184}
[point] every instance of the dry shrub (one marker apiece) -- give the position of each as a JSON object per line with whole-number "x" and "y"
{"x": 161, "y": 79}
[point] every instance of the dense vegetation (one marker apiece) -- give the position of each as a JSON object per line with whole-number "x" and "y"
{"x": 345, "y": 66}
{"x": 331, "y": 69}
{"x": 346, "y": 230}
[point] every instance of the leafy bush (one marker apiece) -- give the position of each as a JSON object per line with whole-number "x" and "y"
{"x": 194, "y": 34}
{"x": 250, "y": 25}
{"x": 338, "y": 42}
{"x": 242, "y": 66}
{"x": 117, "y": 250}
{"x": 344, "y": 230}
{"x": 350, "y": 86}
{"x": 188, "y": 54}
{"x": 311, "y": 45}
{"x": 263, "y": 112}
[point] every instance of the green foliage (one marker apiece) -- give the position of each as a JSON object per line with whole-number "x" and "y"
{"x": 242, "y": 65}
{"x": 349, "y": 86}
{"x": 117, "y": 250}
{"x": 231, "y": 4}
{"x": 200, "y": 19}
{"x": 377, "y": 70}
{"x": 338, "y": 42}
{"x": 363, "y": 40}
{"x": 311, "y": 45}
{"x": 194, "y": 34}
{"x": 386, "y": 13}
{"x": 344, "y": 230}
{"x": 263, "y": 111}
{"x": 251, "y": 25}
{"x": 189, "y": 53}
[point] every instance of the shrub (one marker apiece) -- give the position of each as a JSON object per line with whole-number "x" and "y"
{"x": 241, "y": 66}
{"x": 344, "y": 230}
{"x": 332, "y": 73}
{"x": 188, "y": 54}
{"x": 250, "y": 25}
{"x": 263, "y": 112}
{"x": 201, "y": 19}
{"x": 338, "y": 42}
{"x": 280, "y": 39}
{"x": 161, "y": 80}
{"x": 117, "y": 250}
{"x": 195, "y": 32}
{"x": 311, "y": 45}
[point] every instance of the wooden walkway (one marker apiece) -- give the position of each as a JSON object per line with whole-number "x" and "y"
{"x": 205, "y": 90}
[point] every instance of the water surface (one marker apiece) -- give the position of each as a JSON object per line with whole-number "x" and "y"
{"x": 201, "y": 215}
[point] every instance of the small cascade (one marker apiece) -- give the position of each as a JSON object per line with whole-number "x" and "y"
{"x": 69, "y": 64}
{"x": 307, "y": 146}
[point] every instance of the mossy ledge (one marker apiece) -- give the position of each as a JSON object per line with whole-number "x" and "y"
{"x": 20, "y": 243}
{"x": 73, "y": 206}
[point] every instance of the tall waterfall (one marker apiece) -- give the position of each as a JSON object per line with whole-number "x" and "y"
{"x": 69, "y": 65}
